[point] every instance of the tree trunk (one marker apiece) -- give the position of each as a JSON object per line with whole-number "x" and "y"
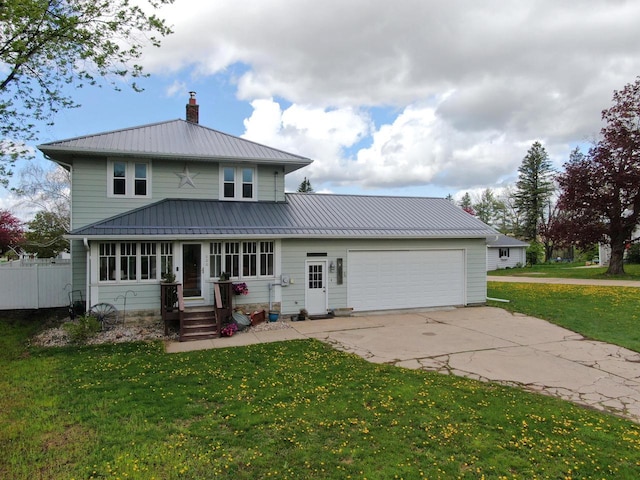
{"x": 548, "y": 251}
{"x": 616, "y": 263}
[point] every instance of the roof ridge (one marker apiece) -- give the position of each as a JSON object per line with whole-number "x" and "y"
{"x": 110, "y": 132}
{"x": 360, "y": 195}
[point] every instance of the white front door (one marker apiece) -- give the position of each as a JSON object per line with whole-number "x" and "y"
{"x": 316, "y": 287}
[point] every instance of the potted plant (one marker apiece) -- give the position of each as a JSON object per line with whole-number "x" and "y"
{"x": 240, "y": 288}
{"x": 169, "y": 277}
{"x": 303, "y": 315}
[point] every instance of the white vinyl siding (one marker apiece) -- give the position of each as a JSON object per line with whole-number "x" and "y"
{"x": 496, "y": 261}
{"x": 294, "y": 256}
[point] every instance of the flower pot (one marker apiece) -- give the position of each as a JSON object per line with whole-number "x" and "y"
{"x": 273, "y": 316}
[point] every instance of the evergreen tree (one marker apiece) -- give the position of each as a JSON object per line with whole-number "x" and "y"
{"x": 534, "y": 189}
{"x": 488, "y": 208}
{"x": 466, "y": 204}
{"x": 305, "y": 186}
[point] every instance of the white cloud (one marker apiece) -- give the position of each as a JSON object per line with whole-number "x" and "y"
{"x": 470, "y": 84}
{"x": 176, "y": 88}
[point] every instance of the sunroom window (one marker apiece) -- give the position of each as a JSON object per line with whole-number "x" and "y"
{"x": 242, "y": 259}
{"x": 134, "y": 261}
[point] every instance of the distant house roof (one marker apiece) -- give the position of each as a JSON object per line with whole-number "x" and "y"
{"x": 302, "y": 215}
{"x": 504, "y": 241}
{"x": 175, "y": 139}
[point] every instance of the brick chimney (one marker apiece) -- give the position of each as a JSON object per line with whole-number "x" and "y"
{"x": 192, "y": 108}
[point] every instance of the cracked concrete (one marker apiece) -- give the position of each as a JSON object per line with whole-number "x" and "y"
{"x": 491, "y": 344}
{"x": 483, "y": 343}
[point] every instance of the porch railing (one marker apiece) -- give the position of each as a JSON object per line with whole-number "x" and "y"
{"x": 171, "y": 304}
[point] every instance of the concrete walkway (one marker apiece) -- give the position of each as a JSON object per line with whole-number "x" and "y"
{"x": 483, "y": 343}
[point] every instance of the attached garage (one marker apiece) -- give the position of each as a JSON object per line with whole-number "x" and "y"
{"x": 397, "y": 279}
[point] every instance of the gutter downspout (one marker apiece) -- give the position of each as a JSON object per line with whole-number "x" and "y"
{"x": 87, "y": 248}
{"x": 271, "y": 285}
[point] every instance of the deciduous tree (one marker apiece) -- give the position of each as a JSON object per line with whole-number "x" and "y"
{"x": 47, "y": 189}
{"x": 11, "y": 232}
{"x": 48, "y": 45}
{"x": 44, "y": 236}
{"x": 600, "y": 193}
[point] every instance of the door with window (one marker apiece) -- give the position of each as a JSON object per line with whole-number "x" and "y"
{"x": 192, "y": 270}
{"x": 316, "y": 287}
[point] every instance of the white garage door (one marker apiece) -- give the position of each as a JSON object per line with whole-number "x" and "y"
{"x": 396, "y": 279}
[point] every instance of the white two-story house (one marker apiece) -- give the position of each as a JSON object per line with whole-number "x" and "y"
{"x": 179, "y": 197}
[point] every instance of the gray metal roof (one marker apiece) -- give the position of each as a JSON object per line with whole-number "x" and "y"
{"x": 302, "y": 215}
{"x": 505, "y": 241}
{"x": 173, "y": 139}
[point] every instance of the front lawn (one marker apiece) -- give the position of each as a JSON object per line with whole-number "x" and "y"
{"x": 283, "y": 410}
{"x": 568, "y": 270}
{"x": 610, "y": 314}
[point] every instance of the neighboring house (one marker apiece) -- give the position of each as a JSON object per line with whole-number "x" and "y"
{"x": 604, "y": 249}
{"x": 177, "y": 196}
{"x": 505, "y": 252}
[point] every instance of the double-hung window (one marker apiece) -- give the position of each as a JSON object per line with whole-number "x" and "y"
{"x": 266, "y": 259}
{"x": 232, "y": 259}
{"x": 148, "y": 261}
{"x": 128, "y": 179}
{"x": 249, "y": 259}
{"x": 107, "y": 262}
{"x": 127, "y": 261}
{"x": 238, "y": 183}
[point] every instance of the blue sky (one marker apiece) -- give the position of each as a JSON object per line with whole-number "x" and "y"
{"x": 416, "y": 97}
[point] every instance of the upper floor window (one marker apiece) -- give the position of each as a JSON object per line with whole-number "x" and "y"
{"x": 238, "y": 183}
{"x": 128, "y": 179}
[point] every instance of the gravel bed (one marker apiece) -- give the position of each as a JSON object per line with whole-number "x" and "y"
{"x": 58, "y": 337}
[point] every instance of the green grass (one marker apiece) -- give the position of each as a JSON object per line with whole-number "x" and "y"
{"x": 610, "y": 314}
{"x": 283, "y": 410}
{"x": 568, "y": 270}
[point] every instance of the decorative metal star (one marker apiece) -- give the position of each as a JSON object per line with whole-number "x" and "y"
{"x": 186, "y": 177}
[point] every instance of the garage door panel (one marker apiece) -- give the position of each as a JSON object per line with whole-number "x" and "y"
{"x": 395, "y": 279}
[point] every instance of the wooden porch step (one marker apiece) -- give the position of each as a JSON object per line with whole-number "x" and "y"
{"x": 198, "y": 324}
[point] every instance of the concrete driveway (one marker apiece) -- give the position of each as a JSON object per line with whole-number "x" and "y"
{"x": 483, "y": 343}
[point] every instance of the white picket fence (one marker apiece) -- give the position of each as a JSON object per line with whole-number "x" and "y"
{"x": 35, "y": 285}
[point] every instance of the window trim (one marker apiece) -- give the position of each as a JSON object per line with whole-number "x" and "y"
{"x": 238, "y": 182}
{"x": 130, "y": 178}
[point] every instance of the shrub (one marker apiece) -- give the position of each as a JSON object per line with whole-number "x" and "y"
{"x": 535, "y": 253}
{"x": 633, "y": 254}
{"x": 82, "y": 328}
